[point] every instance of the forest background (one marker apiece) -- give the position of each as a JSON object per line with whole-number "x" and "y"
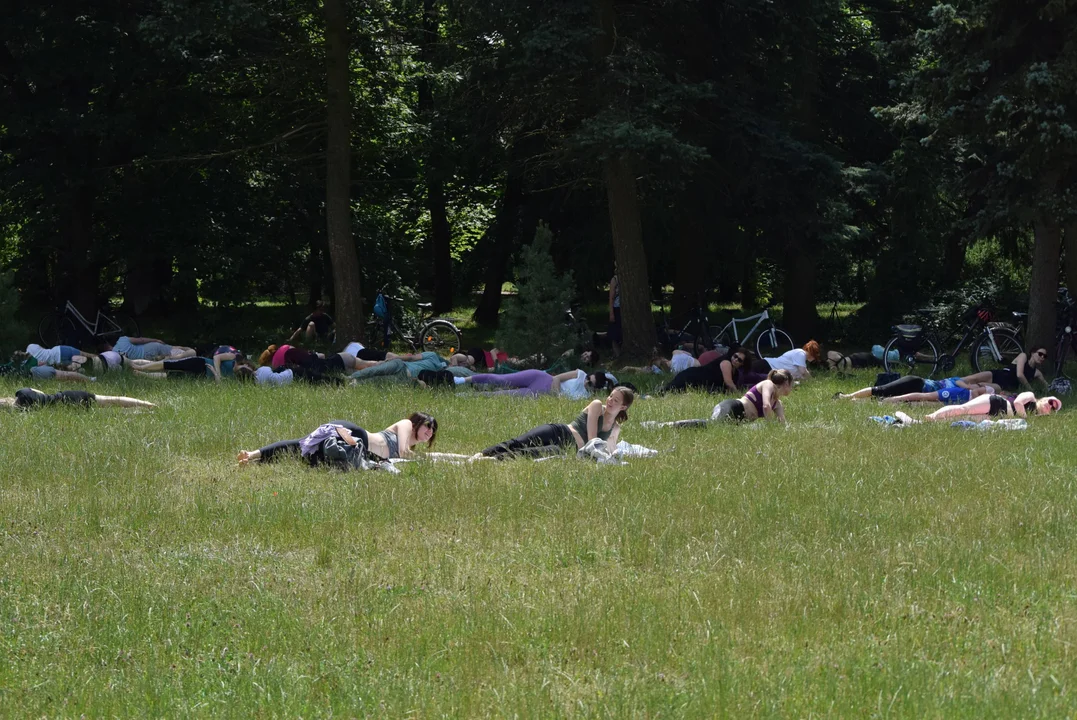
{"x": 181, "y": 154}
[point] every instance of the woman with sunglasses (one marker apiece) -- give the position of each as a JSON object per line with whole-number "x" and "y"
{"x": 720, "y": 375}
{"x": 1016, "y": 375}
{"x": 993, "y": 405}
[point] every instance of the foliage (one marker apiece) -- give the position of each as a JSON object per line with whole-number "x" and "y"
{"x": 534, "y": 322}
{"x": 13, "y": 331}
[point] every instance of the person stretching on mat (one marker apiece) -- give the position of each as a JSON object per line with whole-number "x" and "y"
{"x": 763, "y": 400}
{"x": 1016, "y": 375}
{"x": 905, "y": 386}
{"x": 532, "y": 383}
{"x": 994, "y": 405}
{"x": 597, "y": 420}
{"x": 214, "y": 368}
{"x": 952, "y": 391}
{"x": 396, "y": 441}
{"x": 26, "y": 398}
{"x": 140, "y": 348}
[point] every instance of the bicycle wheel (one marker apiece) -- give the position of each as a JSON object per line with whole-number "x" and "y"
{"x": 57, "y": 329}
{"x": 773, "y": 342}
{"x": 125, "y": 325}
{"x": 904, "y": 360}
{"x": 440, "y": 336}
{"x": 988, "y": 355}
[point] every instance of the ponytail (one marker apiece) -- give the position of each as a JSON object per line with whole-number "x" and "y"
{"x": 780, "y": 377}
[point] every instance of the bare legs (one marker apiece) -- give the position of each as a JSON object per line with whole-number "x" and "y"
{"x": 124, "y": 402}
{"x": 976, "y": 406}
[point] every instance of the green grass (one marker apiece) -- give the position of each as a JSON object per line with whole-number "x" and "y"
{"x": 828, "y": 568}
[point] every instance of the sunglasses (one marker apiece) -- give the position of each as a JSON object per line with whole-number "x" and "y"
{"x": 739, "y": 358}
{"x": 1041, "y": 353}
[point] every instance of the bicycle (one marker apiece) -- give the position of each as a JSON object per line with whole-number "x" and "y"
{"x": 422, "y": 332}
{"x": 694, "y": 331}
{"x": 1064, "y": 335}
{"x": 914, "y": 348}
{"x": 772, "y": 340}
{"x": 62, "y": 327}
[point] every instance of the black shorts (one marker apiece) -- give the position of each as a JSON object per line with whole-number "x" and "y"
{"x": 999, "y": 406}
{"x": 28, "y": 397}
{"x": 334, "y": 363}
{"x": 1005, "y": 378}
{"x": 371, "y": 355}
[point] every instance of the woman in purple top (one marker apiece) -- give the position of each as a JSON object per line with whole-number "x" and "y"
{"x": 763, "y": 400}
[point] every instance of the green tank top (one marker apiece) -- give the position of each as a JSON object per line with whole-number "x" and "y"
{"x": 580, "y": 423}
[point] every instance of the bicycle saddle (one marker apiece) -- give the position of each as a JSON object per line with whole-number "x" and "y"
{"x": 425, "y": 306}
{"x": 908, "y": 329}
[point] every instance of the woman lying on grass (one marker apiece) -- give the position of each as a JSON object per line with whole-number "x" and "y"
{"x": 994, "y": 405}
{"x": 597, "y": 420}
{"x": 574, "y": 384}
{"x": 952, "y": 392}
{"x": 763, "y": 400}
{"x": 27, "y": 398}
{"x": 220, "y": 365}
{"x": 343, "y": 444}
{"x": 719, "y": 375}
{"x": 909, "y": 384}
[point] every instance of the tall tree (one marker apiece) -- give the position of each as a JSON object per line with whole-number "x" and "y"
{"x": 348, "y": 299}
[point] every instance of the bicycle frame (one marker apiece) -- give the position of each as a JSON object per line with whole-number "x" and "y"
{"x": 760, "y": 318}
{"x": 95, "y": 329}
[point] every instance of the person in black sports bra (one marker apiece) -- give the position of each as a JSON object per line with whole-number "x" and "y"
{"x": 998, "y": 405}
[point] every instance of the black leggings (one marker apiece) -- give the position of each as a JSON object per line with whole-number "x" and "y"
{"x": 706, "y": 377}
{"x": 901, "y": 386}
{"x": 314, "y": 377}
{"x": 539, "y": 441}
{"x": 191, "y": 366}
{"x": 290, "y": 448}
{"x": 730, "y": 410}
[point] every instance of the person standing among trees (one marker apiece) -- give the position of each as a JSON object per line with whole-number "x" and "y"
{"x": 615, "y": 312}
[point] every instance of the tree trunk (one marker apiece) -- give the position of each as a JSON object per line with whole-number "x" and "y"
{"x": 692, "y": 268}
{"x": 440, "y": 239}
{"x": 799, "y": 316}
{"x": 1070, "y": 265}
{"x": 637, "y": 321}
{"x": 498, "y": 245}
{"x": 76, "y": 280}
{"x": 347, "y": 294}
{"x": 748, "y": 297}
{"x": 1043, "y": 288}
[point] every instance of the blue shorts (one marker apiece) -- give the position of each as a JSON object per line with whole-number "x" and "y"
{"x": 43, "y": 372}
{"x": 67, "y": 352}
{"x": 954, "y": 395}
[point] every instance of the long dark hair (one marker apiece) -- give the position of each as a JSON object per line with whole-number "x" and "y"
{"x": 419, "y": 419}
{"x": 627, "y": 396}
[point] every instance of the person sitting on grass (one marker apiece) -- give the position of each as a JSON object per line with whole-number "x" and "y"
{"x": 396, "y": 441}
{"x": 315, "y": 326}
{"x": 27, "y": 398}
{"x": 763, "y": 400}
{"x": 140, "y": 348}
{"x": 1017, "y": 375}
{"x": 994, "y": 405}
{"x": 597, "y": 420}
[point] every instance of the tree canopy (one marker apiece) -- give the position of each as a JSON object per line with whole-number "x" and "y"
{"x": 180, "y": 152}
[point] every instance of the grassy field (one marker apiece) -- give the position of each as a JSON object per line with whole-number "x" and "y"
{"x": 829, "y": 568}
